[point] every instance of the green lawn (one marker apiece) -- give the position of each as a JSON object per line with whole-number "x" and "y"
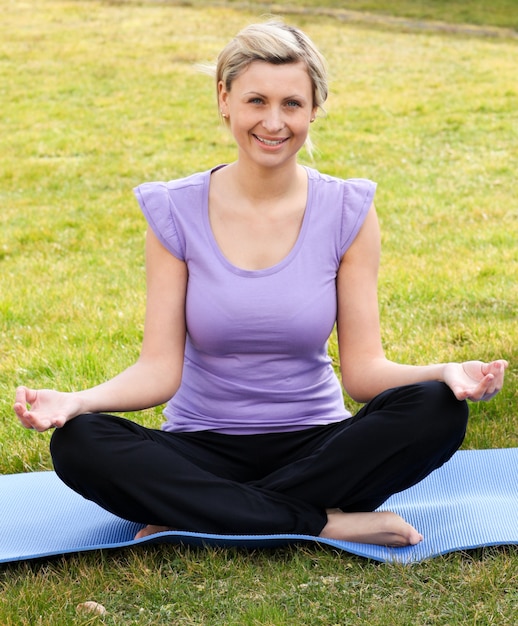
{"x": 98, "y": 97}
{"x": 499, "y": 13}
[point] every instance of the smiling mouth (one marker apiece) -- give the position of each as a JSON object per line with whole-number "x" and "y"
{"x": 271, "y": 142}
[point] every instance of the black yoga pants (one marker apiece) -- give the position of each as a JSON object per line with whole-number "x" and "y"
{"x": 261, "y": 484}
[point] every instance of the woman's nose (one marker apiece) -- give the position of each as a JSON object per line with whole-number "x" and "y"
{"x": 273, "y": 121}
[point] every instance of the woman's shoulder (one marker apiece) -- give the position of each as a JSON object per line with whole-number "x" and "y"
{"x": 347, "y": 199}
{"x": 348, "y": 195}
{"x": 173, "y": 207}
{"x": 191, "y": 181}
{"x": 177, "y": 196}
{"x": 343, "y": 185}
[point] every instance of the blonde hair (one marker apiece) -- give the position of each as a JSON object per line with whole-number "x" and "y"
{"x": 277, "y": 43}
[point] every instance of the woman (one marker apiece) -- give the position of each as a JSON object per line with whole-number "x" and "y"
{"x": 249, "y": 266}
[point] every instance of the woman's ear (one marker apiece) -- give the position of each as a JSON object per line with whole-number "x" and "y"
{"x": 222, "y": 99}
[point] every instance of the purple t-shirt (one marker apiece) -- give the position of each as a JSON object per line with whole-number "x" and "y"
{"x": 256, "y": 354}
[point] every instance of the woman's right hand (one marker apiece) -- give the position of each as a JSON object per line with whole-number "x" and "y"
{"x": 43, "y": 408}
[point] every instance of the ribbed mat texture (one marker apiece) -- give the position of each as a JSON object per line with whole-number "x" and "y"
{"x": 471, "y": 501}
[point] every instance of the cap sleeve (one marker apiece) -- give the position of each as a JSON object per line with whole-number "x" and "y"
{"x": 357, "y": 200}
{"x": 156, "y": 204}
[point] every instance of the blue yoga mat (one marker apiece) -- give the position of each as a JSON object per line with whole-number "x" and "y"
{"x": 471, "y": 501}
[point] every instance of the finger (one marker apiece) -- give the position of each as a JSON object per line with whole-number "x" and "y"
{"x": 58, "y": 421}
{"x": 31, "y": 421}
{"x": 501, "y": 366}
{"x": 24, "y": 395}
{"x": 38, "y": 424}
{"x": 22, "y": 414}
{"x": 498, "y": 370}
{"x": 42, "y": 427}
{"x": 492, "y": 383}
{"x": 487, "y": 387}
{"x": 491, "y": 391}
{"x": 498, "y": 367}
{"x": 484, "y": 390}
{"x": 19, "y": 408}
{"x": 461, "y": 393}
{"x": 21, "y": 395}
{"x": 495, "y": 367}
{"x": 26, "y": 423}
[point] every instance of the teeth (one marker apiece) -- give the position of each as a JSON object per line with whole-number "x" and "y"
{"x": 268, "y": 142}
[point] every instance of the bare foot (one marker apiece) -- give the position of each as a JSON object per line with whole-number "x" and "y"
{"x": 382, "y": 528}
{"x": 151, "y": 529}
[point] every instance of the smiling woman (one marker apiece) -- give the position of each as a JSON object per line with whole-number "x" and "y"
{"x": 276, "y": 47}
{"x": 249, "y": 267}
{"x": 269, "y": 107}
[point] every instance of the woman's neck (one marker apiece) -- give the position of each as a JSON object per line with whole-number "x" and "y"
{"x": 264, "y": 184}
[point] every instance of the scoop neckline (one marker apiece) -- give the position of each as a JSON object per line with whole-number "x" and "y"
{"x": 273, "y": 269}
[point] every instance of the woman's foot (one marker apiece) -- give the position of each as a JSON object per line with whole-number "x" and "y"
{"x": 382, "y": 528}
{"x": 151, "y": 529}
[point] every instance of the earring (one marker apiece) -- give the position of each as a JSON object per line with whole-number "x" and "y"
{"x": 223, "y": 114}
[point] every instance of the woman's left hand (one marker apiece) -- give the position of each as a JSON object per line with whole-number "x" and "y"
{"x": 475, "y": 380}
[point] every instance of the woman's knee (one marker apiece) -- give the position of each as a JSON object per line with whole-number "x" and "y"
{"x": 426, "y": 413}
{"x": 443, "y": 416}
{"x": 73, "y": 447}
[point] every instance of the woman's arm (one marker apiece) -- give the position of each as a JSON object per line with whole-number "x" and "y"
{"x": 366, "y": 371}
{"x": 156, "y": 375}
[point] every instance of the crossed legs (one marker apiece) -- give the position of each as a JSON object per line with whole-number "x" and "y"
{"x": 324, "y": 480}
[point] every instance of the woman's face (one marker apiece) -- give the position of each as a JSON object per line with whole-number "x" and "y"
{"x": 269, "y": 108}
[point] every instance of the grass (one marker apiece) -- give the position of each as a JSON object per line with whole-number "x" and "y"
{"x": 285, "y": 587}
{"x": 445, "y": 15}
{"x": 98, "y": 97}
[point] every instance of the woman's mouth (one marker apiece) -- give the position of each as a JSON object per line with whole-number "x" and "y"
{"x": 271, "y": 142}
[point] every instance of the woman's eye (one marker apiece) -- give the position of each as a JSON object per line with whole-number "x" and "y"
{"x": 293, "y": 103}
{"x": 255, "y": 101}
